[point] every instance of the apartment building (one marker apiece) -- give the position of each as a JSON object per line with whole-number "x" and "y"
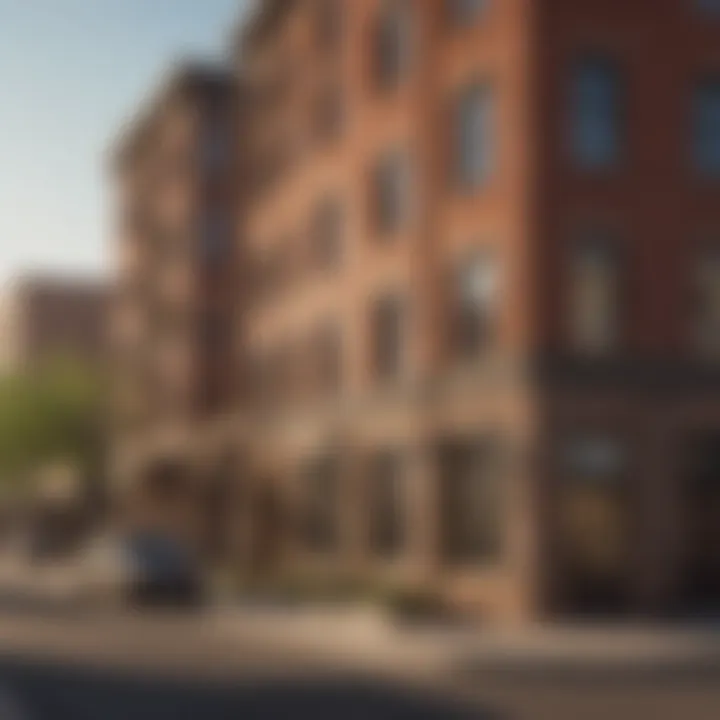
{"x": 483, "y": 240}
{"x": 427, "y": 292}
{"x": 176, "y": 292}
{"x": 44, "y": 317}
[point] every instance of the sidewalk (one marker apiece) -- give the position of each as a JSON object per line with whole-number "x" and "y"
{"x": 370, "y": 638}
{"x": 49, "y": 583}
{"x": 367, "y": 637}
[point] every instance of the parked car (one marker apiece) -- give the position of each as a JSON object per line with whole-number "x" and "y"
{"x": 142, "y": 570}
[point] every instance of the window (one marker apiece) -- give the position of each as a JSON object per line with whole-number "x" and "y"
{"x": 391, "y": 189}
{"x": 387, "y": 338}
{"x": 464, "y": 12}
{"x": 593, "y": 457}
{"x": 386, "y": 504}
{"x": 471, "y": 497}
{"x": 594, "y": 302}
{"x": 392, "y": 44}
{"x": 709, "y": 6}
{"x": 594, "y": 507}
{"x": 273, "y": 374}
{"x": 322, "y": 504}
{"x": 706, "y": 297}
{"x": 280, "y": 373}
{"x": 329, "y": 114}
{"x": 596, "y": 114}
{"x": 474, "y": 141}
{"x": 213, "y": 330}
{"x": 706, "y": 126}
{"x": 475, "y": 305}
{"x": 327, "y": 232}
{"x": 255, "y": 382}
{"x": 329, "y": 22}
{"x": 328, "y": 359}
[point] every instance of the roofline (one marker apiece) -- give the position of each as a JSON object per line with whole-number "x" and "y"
{"x": 181, "y": 77}
{"x": 261, "y": 19}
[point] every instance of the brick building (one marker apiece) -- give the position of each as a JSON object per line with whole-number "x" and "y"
{"x": 42, "y": 317}
{"x": 175, "y": 288}
{"x": 478, "y": 341}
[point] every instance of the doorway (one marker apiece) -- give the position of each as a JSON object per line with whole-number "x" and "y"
{"x": 701, "y": 522}
{"x": 594, "y": 529}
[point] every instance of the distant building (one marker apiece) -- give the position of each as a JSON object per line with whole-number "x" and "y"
{"x": 46, "y": 316}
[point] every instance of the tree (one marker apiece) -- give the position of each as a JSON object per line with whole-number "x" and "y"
{"x": 48, "y": 414}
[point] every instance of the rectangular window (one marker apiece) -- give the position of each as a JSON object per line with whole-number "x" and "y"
{"x": 474, "y": 140}
{"x": 475, "y": 305}
{"x": 706, "y": 297}
{"x": 706, "y": 126}
{"x": 594, "y": 512}
{"x": 708, "y": 6}
{"x": 329, "y": 22}
{"x": 391, "y": 191}
{"x": 471, "y": 501}
{"x": 387, "y": 338}
{"x": 392, "y": 43}
{"x": 278, "y": 385}
{"x": 386, "y": 504}
{"x": 322, "y": 505}
{"x": 329, "y": 114}
{"x": 596, "y": 132}
{"x": 327, "y": 232}
{"x": 465, "y": 12}
{"x": 594, "y": 301}
{"x": 328, "y": 359}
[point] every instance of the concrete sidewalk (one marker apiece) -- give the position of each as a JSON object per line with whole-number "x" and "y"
{"x": 49, "y": 582}
{"x": 371, "y": 638}
{"x": 366, "y": 636}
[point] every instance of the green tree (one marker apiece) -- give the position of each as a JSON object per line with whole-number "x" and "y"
{"x": 53, "y": 413}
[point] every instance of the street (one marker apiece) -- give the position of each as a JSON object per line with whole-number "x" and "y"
{"x": 68, "y": 666}
{"x": 36, "y": 692}
{"x": 154, "y": 668}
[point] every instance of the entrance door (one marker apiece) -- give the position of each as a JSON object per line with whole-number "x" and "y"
{"x": 594, "y": 529}
{"x": 701, "y": 495}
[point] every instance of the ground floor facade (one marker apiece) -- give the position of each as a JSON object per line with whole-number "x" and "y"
{"x": 516, "y": 501}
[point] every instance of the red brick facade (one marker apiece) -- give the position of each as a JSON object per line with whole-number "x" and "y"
{"x": 582, "y": 458}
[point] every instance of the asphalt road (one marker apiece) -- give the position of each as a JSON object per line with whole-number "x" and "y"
{"x": 108, "y": 668}
{"x": 36, "y": 692}
{"x": 66, "y": 667}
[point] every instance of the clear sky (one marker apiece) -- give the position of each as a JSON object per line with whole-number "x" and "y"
{"x": 71, "y": 71}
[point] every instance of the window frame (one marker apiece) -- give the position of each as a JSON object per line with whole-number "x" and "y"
{"x": 465, "y": 178}
{"x": 394, "y": 24}
{"x": 462, "y": 543}
{"x": 384, "y": 370}
{"x": 707, "y": 81}
{"x": 387, "y": 542}
{"x": 581, "y": 157}
{"x": 488, "y": 325}
{"x": 392, "y": 192}
{"x": 322, "y": 505}
{"x": 460, "y": 15}
{"x": 609, "y": 243}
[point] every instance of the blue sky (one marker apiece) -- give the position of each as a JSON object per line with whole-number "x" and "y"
{"x": 71, "y": 71}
